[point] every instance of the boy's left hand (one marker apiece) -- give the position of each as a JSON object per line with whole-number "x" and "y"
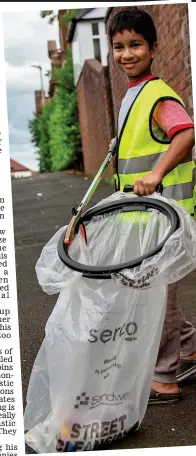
{"x": 147, "y": 185}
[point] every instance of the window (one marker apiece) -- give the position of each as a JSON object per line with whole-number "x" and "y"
{"x": 97, "y": 51}
{"x": 95, "y": 28}
{"x": 96, "y": 41}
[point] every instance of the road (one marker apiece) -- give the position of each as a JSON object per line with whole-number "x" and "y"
{"x": 41, "y": 205}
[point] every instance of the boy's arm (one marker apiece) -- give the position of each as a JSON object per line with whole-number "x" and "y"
{"x": 172, "y": 118}
{"x": 179, "y": 149}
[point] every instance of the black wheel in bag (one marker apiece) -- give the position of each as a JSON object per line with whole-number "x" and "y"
{"x": 125, "y": 205}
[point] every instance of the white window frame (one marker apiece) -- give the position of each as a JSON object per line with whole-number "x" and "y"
{"x": 95, "y": 37}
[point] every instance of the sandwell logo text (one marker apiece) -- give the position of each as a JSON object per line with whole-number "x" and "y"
{"x": 102, "y": 399}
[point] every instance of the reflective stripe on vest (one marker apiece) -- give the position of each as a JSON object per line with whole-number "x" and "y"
{"x": 139, "y": 150}
{"x": 141, "y": 164}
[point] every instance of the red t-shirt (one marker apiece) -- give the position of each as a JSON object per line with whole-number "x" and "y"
{"x": 169, "y": 115}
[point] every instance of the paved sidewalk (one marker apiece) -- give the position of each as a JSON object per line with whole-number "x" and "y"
{"x": 42, "y": 204}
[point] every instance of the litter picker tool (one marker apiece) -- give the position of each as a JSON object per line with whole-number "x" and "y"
{"x": 77, "y": 212}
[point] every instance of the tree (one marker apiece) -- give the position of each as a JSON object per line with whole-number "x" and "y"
{"x": 48, "y": 73}
{"x": 33, "y": 128}
{"x": 39, "y": 129}
{"x": 50, "y": 14}
{"x": 45, "y": 163}
{"x": 56, "y": 131}
{"x": 64, "y": 128}
{"x": 66, "y": 18}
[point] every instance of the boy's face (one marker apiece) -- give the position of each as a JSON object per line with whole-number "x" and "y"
{"x": 132, "y": 53}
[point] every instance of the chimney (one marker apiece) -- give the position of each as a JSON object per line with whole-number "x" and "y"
{"x": 38, "y": 101}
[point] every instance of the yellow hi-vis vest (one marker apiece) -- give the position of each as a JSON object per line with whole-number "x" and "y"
{"x": 140, "y": 151}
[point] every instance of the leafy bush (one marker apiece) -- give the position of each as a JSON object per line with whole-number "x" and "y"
{"x": 56, "y": 131}
{"x": 64, "y": 128}
{"x": 40, "y": 137}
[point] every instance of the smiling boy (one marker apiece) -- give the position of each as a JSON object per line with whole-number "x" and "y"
{"x": 155, "y": 141}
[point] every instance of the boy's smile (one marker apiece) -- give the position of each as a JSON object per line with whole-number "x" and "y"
{"x": 132, "y": 54}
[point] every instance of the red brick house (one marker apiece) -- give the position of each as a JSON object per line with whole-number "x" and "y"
{"x": 18, "y": 170}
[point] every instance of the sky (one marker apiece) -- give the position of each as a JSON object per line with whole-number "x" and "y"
{"x": 25, "y": 44}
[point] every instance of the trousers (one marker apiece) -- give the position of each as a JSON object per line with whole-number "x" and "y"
{"x": 178, "y": 339}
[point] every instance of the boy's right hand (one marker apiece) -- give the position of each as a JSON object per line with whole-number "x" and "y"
{"x": 147, "y": 185}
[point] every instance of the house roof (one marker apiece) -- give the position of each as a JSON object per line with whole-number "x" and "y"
{"x": 15, "y": 166}
{"x": 78, "y": 16}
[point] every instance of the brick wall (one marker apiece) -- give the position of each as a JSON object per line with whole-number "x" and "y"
{"x": 172, "y": 62}
{"x": 95, "y": 115}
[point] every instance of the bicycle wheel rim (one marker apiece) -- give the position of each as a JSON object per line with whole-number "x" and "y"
{"x": 142, "y": 204}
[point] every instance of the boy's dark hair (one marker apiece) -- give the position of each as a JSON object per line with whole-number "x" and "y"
{"x": 133, "y": 19}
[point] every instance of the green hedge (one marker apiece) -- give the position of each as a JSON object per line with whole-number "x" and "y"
{"x": 56, "y": 131}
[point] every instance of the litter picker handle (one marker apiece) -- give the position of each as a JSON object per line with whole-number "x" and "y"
{"x": 130, "y": 188}
{"x": 114, "y": 147}
{"x": 70, "y": 232}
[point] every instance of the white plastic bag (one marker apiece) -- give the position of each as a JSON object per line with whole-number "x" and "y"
{"x": 91, "y": 379}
